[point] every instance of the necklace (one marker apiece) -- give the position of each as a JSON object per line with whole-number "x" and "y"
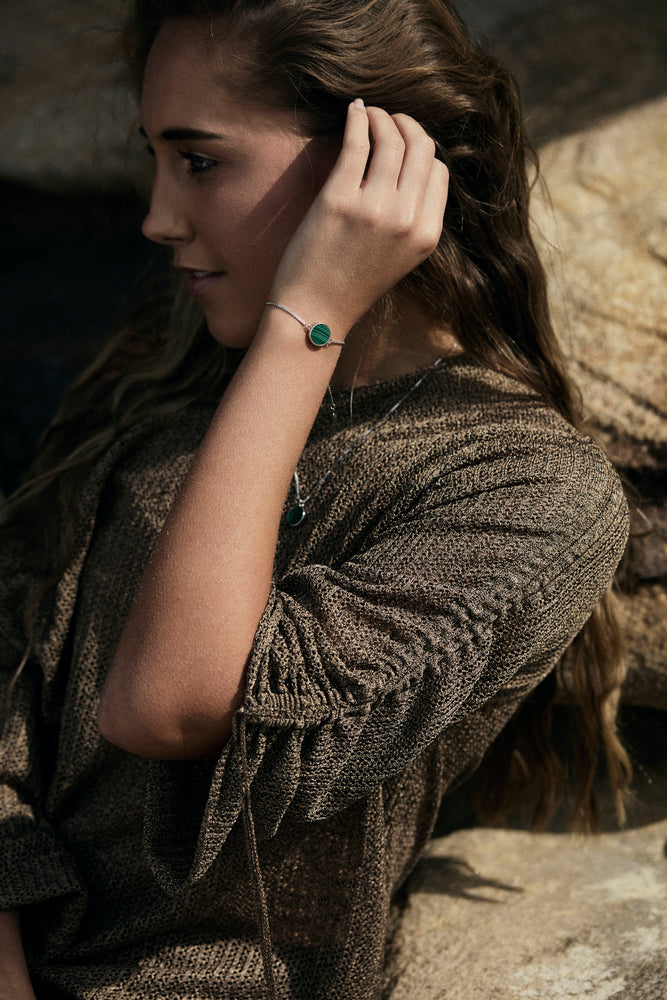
{"x": 296, "y": 515}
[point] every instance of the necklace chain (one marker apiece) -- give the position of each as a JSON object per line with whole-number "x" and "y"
{"x": 296, "y": 515}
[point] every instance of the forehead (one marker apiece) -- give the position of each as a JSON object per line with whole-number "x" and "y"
{"x": 188, "y": 77}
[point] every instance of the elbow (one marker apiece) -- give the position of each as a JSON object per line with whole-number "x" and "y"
{"x": 122, "y": 730}
{"x": 160, "y": 732}
{"x": 136, "y": 732}
{"x": 166, "y": 707}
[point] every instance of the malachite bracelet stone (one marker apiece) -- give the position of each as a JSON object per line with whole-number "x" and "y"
{"x": 319, "y": 334}
{"x": 296, "y": 515}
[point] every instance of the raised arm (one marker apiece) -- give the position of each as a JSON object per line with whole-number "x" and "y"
{"x": 178, "y": 674}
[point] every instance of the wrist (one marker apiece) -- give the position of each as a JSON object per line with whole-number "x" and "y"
{"x": 317, "y": 333}
{"x": 285, "y": 335}
{"x": 316, "y": 306}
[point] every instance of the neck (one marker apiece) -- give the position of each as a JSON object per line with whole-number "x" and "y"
{"x": 406, "y": 339}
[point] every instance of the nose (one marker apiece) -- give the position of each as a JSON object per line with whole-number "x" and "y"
{"x": 167, "y": 221}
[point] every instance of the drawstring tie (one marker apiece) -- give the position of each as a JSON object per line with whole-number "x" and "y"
{"x": 255, "y": 869}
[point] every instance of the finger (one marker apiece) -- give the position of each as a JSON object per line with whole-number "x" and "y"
{"x": 438, "y": 187}
{"x": 434, "y": 204}
{"x": 350, "y": 166}
{"x": 419, "y": 154}
{"x": 386, "y": 160}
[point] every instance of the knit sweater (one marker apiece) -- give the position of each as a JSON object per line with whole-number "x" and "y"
{"x": 444, "y": 565}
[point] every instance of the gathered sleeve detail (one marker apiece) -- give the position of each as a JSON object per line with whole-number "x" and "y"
{"x": 475, "y": 585}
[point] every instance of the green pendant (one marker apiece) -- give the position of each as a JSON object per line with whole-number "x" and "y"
{"x": 319, "y": 334}
{"x": 296, "y": 515}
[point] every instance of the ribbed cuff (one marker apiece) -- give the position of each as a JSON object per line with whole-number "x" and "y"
{"x": 35, "y": 869}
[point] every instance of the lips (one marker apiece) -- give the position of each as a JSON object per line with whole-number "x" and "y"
{"x": 200, "y": 281}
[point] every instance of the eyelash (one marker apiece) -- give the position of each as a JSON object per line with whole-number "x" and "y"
{"x": 197, "y": 164}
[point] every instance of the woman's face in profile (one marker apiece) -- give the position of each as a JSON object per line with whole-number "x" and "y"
{"x": 233, "y": 180}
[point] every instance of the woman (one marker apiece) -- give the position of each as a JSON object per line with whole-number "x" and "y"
{"x": 305, "y": 560}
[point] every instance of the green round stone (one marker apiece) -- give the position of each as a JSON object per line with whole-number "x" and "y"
{"x": 295, "y": 515}
{"x": 319, "y": 334}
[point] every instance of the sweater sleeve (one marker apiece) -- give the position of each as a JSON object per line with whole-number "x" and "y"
{"x": 134, "y": 480}
{"x": 35, "y": 865}
{"x": 475, "y": 585}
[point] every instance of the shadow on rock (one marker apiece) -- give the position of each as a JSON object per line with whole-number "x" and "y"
{"x": 453, "y": 876}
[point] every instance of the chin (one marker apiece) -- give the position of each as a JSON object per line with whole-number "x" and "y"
{"x": 228, "y": 335}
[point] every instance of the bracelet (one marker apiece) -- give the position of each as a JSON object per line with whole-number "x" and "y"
{"x": 318, "y": 334}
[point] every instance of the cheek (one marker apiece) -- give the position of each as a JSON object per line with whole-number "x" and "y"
{"x": 276, "y": 206}
{"x": 255, "y": 215}
{"x": 244, "y": 222}
{"x": 274, "y": 219}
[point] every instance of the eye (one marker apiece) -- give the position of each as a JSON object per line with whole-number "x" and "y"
{"x": 198, "y": 164}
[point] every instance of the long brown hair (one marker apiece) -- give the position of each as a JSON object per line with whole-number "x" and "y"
{"x": 484, "y": 280}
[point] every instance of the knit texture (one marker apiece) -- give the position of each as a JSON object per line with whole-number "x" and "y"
{"x": 441, "y": 571}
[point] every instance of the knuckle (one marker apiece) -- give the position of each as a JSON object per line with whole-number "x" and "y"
{"x": 335, "y": 204}
{"x": 430, "y": 239}
{"x": 444, "y": 170}
{"x": 396, "y": 146}
{"x": 357, "y": 146}
{"x": 405, "y": 222}
{"x": 373, "y": 215}
{"x": 429, "y": 145}
{"x": 425, "y": 148}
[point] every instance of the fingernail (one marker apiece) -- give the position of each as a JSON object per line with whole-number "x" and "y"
{"x": 358, "y": 103}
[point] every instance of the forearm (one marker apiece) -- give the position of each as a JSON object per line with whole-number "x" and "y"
{"x": 14, "y": 978}
{"x": 179, "y": 670}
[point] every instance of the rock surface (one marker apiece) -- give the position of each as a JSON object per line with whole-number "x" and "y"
{"x": 605, "y": 243}
{"x": 604, "y": 239}
{"x": 576, "y": 60}
{"x": 67, "y": 113}
{"x": 509, "y": 915}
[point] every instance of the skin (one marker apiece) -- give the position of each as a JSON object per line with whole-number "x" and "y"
{"x": 327, "y": 243}
{"x": 14, "y": 979}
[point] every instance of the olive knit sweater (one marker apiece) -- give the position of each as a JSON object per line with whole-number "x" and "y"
{"x": 444, "y": 565}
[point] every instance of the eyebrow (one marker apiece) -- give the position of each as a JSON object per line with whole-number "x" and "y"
{"x": 182, "y": 134}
